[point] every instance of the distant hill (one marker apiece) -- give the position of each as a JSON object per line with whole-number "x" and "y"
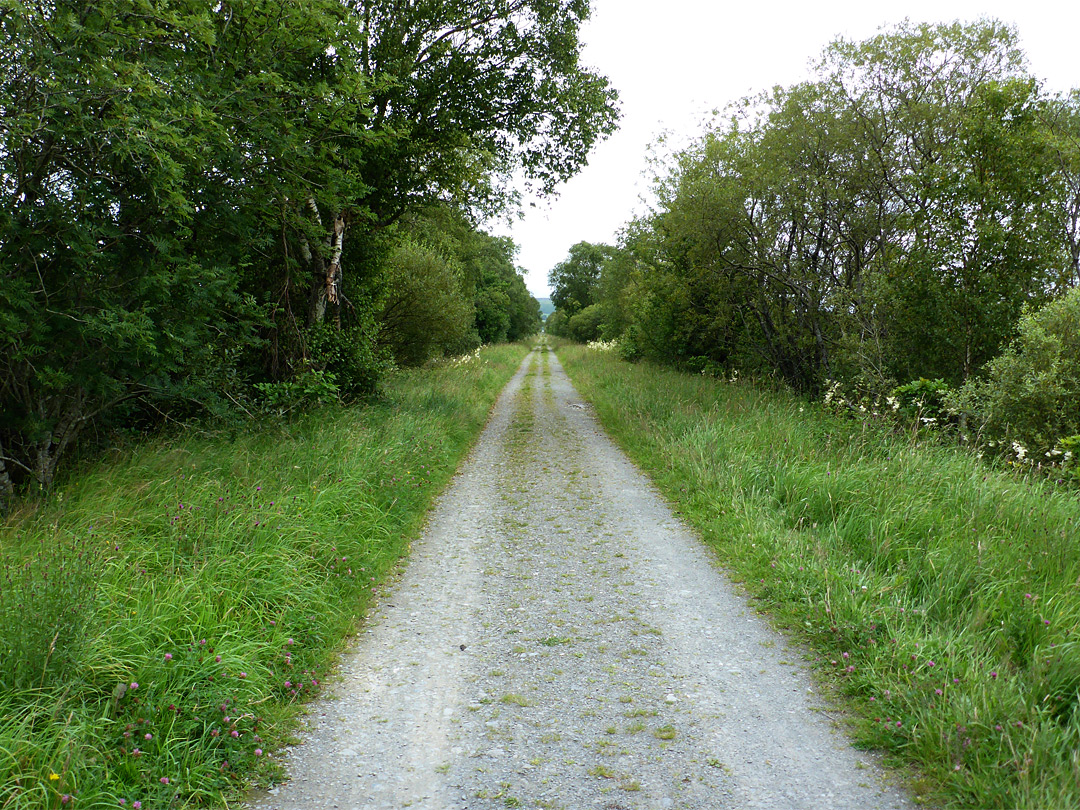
{"x": 546, "y": 307}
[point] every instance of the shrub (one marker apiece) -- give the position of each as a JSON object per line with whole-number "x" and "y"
{"x": 425, "y": 312}
{"x": 556, "y": 324}
{"x": 351, "y": 354}
{"x": 922, "y": 400}
{"x": 585, "y": 325}
{"x": 1030, "y": 394}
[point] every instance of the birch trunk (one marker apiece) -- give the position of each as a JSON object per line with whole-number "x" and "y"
{"x": 327, "y": 272}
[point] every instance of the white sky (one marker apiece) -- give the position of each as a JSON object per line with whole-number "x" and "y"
{"x": 675, "y": 61}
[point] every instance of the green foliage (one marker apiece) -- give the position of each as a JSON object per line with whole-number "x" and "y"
{"x": 309, "y": 389}
{"x": 923, "y": 400}
{"x": 1069, "y": 447}
{"x": 659, "y": 319}
{"x": 350, "y": 358}
{"x": 1031, "y": 391}
{"x": 585, "y": 325}
{"x": 203, "y": 586}
{"x": 938, "y": 594}
{"x": 425, "y": 311}
{"x": 887, "y": 220}
{"x": 574, "y": 280}
{"x": 556, "y": 324}
{"x": 185, "y": 188}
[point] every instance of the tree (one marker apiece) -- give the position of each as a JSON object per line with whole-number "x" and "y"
{"x": 425, "y": 309}
{"x": 184, "y": 185}
{"x": 464, "y": 92}
{"x": 573, "y": 281}
{"x": 952, "y": 119}
{"x": 887, "y": 220}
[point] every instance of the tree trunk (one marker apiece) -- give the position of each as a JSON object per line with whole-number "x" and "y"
{"x": 326, "y": 278}
{"x": 51, "y": 448}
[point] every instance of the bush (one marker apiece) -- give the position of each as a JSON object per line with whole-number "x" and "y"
{"x": 556, "y": 324}
{"x": 922, "y": 400}
{"x": 585, "y": 325}
{"x": 351, "y": 355}
{"x": 425, "y": 312}
{"x": 1031, "y": 391}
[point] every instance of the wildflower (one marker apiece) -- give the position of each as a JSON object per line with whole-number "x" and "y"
{"x": 258, "y": 752}
{"x": 148, "y": 736}
{"x": 993, "y": 675}
{"x": 65, "y": 799}
{"x": 168, "y": 656}
{"x": 938, "y": 692}
{"x": 136, "y": 805}
{"x": 931, "y": 664}
{"x": 53, "y": 777}
{"x": 123, "y": 802}
{"x": 164, "y": 780}
{"x": 234, "y": 733}
{"x": 243, "y": 674}
{"x": 998, "y": 728}
{"x": 133, "y": 685}
{"x": 217, "y": 659}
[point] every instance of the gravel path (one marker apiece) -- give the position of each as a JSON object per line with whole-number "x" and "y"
{"x": 559, "y": 640}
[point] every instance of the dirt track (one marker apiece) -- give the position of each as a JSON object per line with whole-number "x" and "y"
{"x": 558, "y": 640}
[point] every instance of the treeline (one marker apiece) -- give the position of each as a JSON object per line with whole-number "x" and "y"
{"x": 904, "y": 228}
{"x": 211, "y": 205}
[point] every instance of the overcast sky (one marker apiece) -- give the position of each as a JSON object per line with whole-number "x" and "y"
{"x": 673, "y": 61}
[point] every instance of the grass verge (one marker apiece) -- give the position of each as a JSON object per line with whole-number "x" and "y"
{"x": 162, "y": 615}
{"x": 940, "y": 596}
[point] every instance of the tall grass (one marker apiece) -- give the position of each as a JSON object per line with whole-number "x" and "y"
{"x": 162, "y": 615}
{"x": 940, "y": 595}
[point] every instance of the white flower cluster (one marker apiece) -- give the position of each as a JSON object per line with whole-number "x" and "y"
{"x": 603, "y": 345}
{"x": 466, "y": 359}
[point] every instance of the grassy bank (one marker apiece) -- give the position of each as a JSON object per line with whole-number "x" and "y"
{"x": 162, "y": 614}
{"x": 940, "y": 596}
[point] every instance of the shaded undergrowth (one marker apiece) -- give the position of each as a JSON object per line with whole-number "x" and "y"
{"x": 162, "y": 615}
{"x": 940, "y": 595}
